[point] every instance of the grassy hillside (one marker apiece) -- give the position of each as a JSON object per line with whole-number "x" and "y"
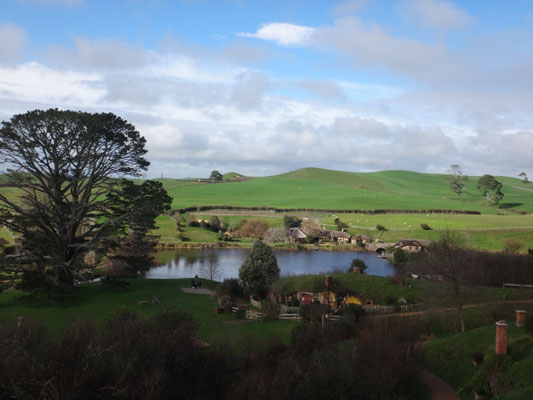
{"x": 319, "y": 188}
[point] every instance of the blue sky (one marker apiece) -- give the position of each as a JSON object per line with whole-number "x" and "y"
{"x": 262, "y": 87}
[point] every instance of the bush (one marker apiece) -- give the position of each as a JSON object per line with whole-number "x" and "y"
{"x": 425, "y": 227}
{"x": 230, "y": 287}
{"x": 381, "y": 228}
{"x": 313, "y": 312}
{"x": 400, "y": 256}
{"x": 357, "y": 263}
{"x": 513, "y": 245}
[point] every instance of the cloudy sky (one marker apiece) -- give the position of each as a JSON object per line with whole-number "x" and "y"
{"x": 263, "y": 87}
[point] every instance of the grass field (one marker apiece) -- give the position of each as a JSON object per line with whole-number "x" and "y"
{"x": 319, "y": 188}
{"x": 325, "y": 189}
{"x": 96, "y": 302}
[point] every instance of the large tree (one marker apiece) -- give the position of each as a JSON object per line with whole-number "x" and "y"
{"x": 135, "y": 207}
{"x": 491, "y": 189}
{"x": 65, "y": 164}
{"x": 260, "y": 269}
{"x": 457, "y": 179}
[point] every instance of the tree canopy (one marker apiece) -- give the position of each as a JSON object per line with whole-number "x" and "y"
{"x": 216, "y": 176}
{"x": 491, "y": 189}
{"x": 260, "y": 269}
{"x": 66, "y": 163}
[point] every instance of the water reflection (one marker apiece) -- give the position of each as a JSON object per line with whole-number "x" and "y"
{"x": 186, "y": 263}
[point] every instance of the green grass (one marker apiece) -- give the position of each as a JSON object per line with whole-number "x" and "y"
{"x": 94, "y": 301}
{"x": 319, "y": 188}
{"x": 450, "y": 358}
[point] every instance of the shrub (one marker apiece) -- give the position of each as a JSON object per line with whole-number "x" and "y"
{"x": 229, "y": 287}
{"x": 306, "y": 336}
{"x": 400, "y": 256}
{"x": 291, "y": 221}
{"x": 313, "y": 312}
{"x": 513, "y": 245}
{"x": 381, "y": 228}
{"x": 357, "y": 263}
{"x": 240, "y": 313}
{"x": 493, "y": 375}
{"x": 425, "y": 227}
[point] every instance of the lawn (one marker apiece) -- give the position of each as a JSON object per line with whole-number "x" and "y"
{"x": 96, "y": 302}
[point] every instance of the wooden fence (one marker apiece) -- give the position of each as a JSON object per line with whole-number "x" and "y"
{"x": 392, "y": 309}
{"x": 517, "y": 286}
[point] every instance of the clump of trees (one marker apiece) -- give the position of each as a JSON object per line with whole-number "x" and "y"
{"x": 65, "y": 163}
{"x": 254, "y": 228}
{"x": 216, "y": 176}
{"x": 160, "y": 357}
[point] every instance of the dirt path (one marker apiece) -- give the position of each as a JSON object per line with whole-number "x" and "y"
{"x": 440, "y": 390}
{"x": 522, "y": 188}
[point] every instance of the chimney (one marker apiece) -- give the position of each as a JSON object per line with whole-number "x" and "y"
{"x": 501, "y": 337}
{"x": 326, "y": 281}
{"x": 520, "y": 317}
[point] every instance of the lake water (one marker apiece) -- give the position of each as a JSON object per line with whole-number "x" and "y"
{"x": 186, "y": 263}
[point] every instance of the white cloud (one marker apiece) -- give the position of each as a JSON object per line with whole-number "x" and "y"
{"x": 437, "y": 14}
{"x": 99, "y": 54}
{"x": 250, "y": 86}
{"x": 282, "y": 33}
{"x": 323, "y": 88}
{"x": 12, "y": 42}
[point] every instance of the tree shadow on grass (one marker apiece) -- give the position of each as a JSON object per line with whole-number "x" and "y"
{"x": 509, "y": 205}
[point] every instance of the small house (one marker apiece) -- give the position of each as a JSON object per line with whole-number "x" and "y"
{"x": 338, "y": 237}
{"x": 412, "y": 245}
{"x": 296, "y": 235}
{"x": 361, "y": 239}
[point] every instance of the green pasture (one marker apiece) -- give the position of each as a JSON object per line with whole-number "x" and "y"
{"x": 94, "y": 301}
{"x": 319, "y": 188}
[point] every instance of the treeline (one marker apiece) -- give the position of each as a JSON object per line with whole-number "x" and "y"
{"x": 321, "y": 210}
{"x": 160, "y": 357}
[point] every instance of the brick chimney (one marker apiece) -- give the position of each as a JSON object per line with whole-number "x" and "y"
{"x": 520, "y": 317}
{"x": 501, "y": 337}
{"x": 326, "y": 281}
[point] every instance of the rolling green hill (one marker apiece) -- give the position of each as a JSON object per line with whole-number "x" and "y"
{"x": 327, "y": 189}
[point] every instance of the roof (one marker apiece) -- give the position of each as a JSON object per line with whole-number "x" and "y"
{"x": 296, "y": 233}
{"x": 412, "y": 242}
{"x": 362, "y": 237}
{"x": 338, "y": 234}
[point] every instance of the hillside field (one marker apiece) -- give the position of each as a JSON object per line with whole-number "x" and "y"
{"x": 315, "y": 188}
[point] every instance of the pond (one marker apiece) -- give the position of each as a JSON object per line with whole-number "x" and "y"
{"x": 186, "y": 263}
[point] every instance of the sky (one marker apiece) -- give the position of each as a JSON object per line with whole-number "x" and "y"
{"x": 264, "y": 87}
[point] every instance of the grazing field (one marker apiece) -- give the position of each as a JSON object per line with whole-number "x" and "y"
{"x": 315, "y": 188}
{"x": 325, "y": 189}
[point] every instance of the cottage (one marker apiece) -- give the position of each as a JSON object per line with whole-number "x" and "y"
{"x": 338, "y": 237}
{"x": 296, "y": 235}
{"x": 412, "y": 245}
{"x": 361, "y": 239}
